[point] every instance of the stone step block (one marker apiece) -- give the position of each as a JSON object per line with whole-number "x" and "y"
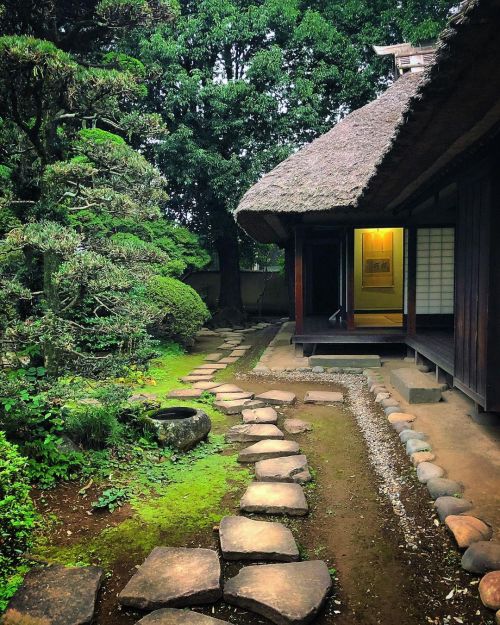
{"x": 233, "y": 396}
{"x": 214, "y": 357}
{"x": 285, "y": 469}
{"x": 203, "y": 371}
{"x": 416, "y": 387}
{"x": 188, "y": 379}
{"x": 229, "y": 360}
{"x": 206, "y": 385}
{"x": 176, "y": 577}
{"x": 296, "y": 426}
{"x": 173, "y": 616}
{"x": 213, "y": 365}
{"x": 246, "y": 539}
{"x": 237, "y": 406}
{"x": 274, "y": 498}
{"x": 260, "y": 415}
{"x": 226, "y": 388}
{"x": 323, "y": 397}
{"x": 248, "y": 432}
{"x": 277, "y": 397}
{"x": 268, "y": 449}
{"x": 286, "y": 594}
{"x": 185, "y": 393}
{"x": 351, "y": 361}
{"x": 58, "y": 595}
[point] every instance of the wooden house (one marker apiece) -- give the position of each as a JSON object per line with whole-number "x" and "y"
{"x": 391, "y": 220}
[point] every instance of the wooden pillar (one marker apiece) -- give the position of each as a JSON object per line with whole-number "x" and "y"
{"x": 350, "y": 279}
{"x": 411, "y": 315}
{"x": 299, "y": 281}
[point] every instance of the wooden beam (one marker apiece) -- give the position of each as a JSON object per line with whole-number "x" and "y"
{"x": 350, "y": 279}
{"x": 411, "y": 316}
{"x": 299, "y": 281}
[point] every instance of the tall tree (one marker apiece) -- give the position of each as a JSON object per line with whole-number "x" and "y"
{"x": 241, "y": 83}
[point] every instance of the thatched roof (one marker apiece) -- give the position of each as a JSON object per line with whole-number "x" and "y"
{"x": 370, "y": 157}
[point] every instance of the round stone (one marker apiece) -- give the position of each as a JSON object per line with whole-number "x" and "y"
{"x": 400, "y": 426}
{"x": 427, "y": 471}
{"x": 392, "y": 409}
{"x": 406, "y": 434}
{"x": 451, "y": 505}
{"x": 467, "y": 530}
{"x": 318, "y": 369}
{"x": 482, "y": 557}
{"x": 422, "y": 456}
{"x": 440, "y": 486}
{"x": 413, "y": 445}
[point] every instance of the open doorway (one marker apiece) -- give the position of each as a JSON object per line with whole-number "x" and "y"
{"x": 323, "y": 278}
{"x": 378, "y": 277}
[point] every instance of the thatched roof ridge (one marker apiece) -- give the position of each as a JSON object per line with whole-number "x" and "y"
{"x": 351, "y": 167}
{"x": 332, "y": 171}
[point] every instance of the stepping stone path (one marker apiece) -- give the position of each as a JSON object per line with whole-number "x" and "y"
{"x": 467, "y": 529}
{"x": 268, "y": 449}
{"x": 283, "y": 593}
{"x": 174, "y": 577}
{"x": 482, "y": 557}
{"x": 277, "y": 397}
{"x": 447, "y": 505}
{"x": 246, "y": 433}
{"x": 203, "y": 371}
{"x": 237, "y": 406}
{"x": 58, "y": 595}
{"x": 246, "y": 539}
{"x": 216, "y": 356}
{"x": 214, "y": 365}
{"x": 196, "y": 378}
{"x": 440, "y": 486}
{"x": 296, "y": 426}
{"x": 323, "y": 397}
{"x": 229, "y": 360}
{"x": 226, "y": 388}
{"x": 185, "y": 393}
{"x": 171, "y": 616}
{"x": 207, "y": 385}
{"x": 428, "y": 471}
{"x": 274, "y": 498}
{"x": 284, "y": 469}
{"x": 261, "y": 415}
{"x": 233, "y": 396}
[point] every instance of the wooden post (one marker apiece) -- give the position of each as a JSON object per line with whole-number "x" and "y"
{"x": 299, "y": 281}
{"x": 411, "y": 316}
{"x": 350, "y": 279}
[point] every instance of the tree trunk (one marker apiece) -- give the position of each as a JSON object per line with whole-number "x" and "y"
{"x": 226, "y": 245}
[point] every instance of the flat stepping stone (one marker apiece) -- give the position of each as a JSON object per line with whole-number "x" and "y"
{"x": 489, "y": 590}
{"x": 401, "y": 416}
{"x": 274, "y": 498}
{"x": 286, "y": 594}
{"x": 260, "y": 415}
{"x": 213, "y": 365}
{"x": 277, "y": 397}
{"x": 176, "y": 577}
{"x": 226, "y": 346}
{"x": 237, "y": 353}
{"x": 206, "y": 385}
{"x": 228, "y": 360}
{"x": 422, "y": 456}
{"x": 406, "y": 435}
{"x": 171, "y": 616}
{"x": 248, "y": 432}
{"x": 233, "y": 396}
{"x": 58, "y": 595}
{"x": 246, "y": 539}
{"x": 414, "y": 444}
{"x": 440, "y": 486}
{"x": 227, "y": 388}
{"x": 285, "y": 469}
{"x": 237, "y": 406}
{"x": 323, "y": 397}
{"x": 185, "y": 393}
{"x": 203, "y": 371}
{"x": 467, "y": 530}
{"x": 268, "y": 449}
{"x": 215, "y": 357}
{"x": 482, "y": 557}
{"x": 416, "y": 387}
{"x": 428, "y": 471}
{"x": 447, "y": 505}
{"x": 197, "y": 378}
{"x": 296, "y": 426}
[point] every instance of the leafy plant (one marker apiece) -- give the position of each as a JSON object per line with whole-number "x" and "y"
{"x": 94, "y": 427}
{"x": 50, "y": 459}
{"x": 111, "y": 498}
{"x": 17, "y": 513}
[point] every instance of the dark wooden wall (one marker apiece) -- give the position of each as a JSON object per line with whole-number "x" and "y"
{"x": 476, "y": 319}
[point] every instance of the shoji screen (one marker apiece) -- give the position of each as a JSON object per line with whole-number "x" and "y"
{"x": 435, "y": 271}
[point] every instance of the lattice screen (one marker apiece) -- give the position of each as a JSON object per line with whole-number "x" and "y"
{"x": 435, "y": 271}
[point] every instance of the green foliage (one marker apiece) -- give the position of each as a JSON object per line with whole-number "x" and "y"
{"x": 110, "y": 499}
{"x": 183, "y": 312}
{"x": 94, "y": 427}
{"x": 17, "y": 513}
{"x": 51, "y": 460}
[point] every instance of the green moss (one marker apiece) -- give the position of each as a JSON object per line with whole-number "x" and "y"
{"x": 192, "y": 503}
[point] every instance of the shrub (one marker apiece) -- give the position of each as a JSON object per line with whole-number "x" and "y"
{"x": 94, "y": 427}
{"x": 17, "y": 513}
{"x": 182, "y": 311}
